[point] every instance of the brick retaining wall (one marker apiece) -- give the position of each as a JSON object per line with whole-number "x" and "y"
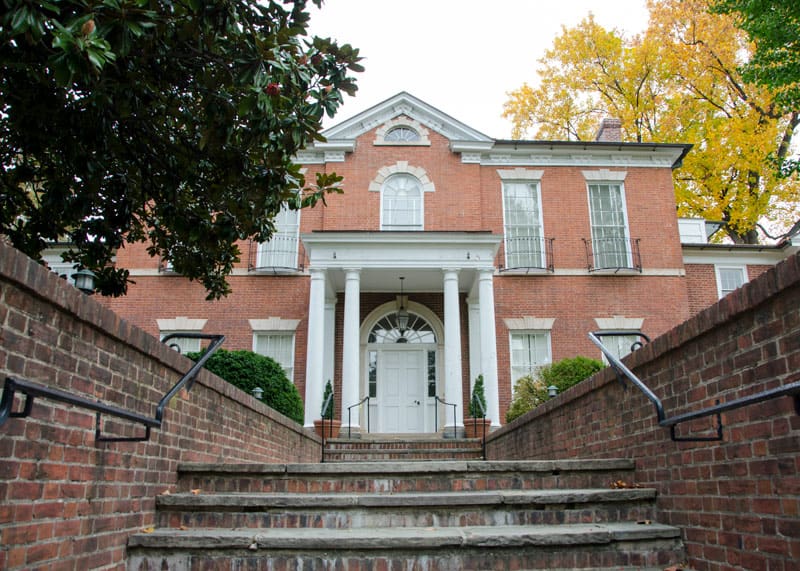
{"x": 68, "y": 502}
{"x": 737, "y": 501}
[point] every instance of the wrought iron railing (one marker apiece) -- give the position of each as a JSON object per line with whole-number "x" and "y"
{"x": 436, "y": 414}
{"x": 349, "y": 415}
{"x": 613, "y": 254}
{"x": 325, "y": 407}
{"x": 33, "y": 391}
{"x": 790, "y": 389}
{"x": 479, "y": 405}
{"x": 527, "y": 254}
{"x": 283, "y": 254}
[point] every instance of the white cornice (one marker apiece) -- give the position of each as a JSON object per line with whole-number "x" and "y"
{"x": 404, "y": 104}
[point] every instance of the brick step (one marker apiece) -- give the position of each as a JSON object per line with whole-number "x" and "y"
{"x": 399, "y": 477}
{"x": 375, "y": 510}
{"x": 616, "y": 546}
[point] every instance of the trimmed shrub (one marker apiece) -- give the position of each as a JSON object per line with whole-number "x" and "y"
{"x": 477, "y": 396}
{"x": 248, "y": 370}
{"x": 531, "y": 391}
{"x": 327, "y": 414}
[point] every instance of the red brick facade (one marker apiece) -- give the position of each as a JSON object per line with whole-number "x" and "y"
{"x": 68, "y": 502}
{"x": 466, "y": 197}
{"x": 737, "y": 500}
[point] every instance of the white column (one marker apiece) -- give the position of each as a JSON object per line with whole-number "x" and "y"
{"x": 350, "y": 349}
{"x": 452, "y": 348}
{"x": 315, "y": 349}
{"x": 330, "y": 338}
{"x": 489, "y": 345}
{"x": 474, "y": 331}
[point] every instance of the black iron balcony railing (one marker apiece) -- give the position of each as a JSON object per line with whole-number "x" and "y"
{"x": 283, "y": 254}
{"x": 528, "y": 254}
{"x": 613, "y": 254}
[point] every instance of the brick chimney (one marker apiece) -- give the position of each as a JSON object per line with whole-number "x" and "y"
{"x": 610, "y": 130}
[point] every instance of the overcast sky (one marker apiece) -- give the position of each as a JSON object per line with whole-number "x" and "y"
{"x": 461, "y": 56}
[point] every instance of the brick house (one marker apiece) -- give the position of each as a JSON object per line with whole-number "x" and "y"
{"x": 449, "y": 255}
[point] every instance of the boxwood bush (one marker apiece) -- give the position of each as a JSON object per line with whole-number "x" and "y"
{"x": 248, "y": 370}
{"x": 531, "y": 391}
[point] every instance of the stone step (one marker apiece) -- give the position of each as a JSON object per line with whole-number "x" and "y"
{"x": 376, "y": 510}
{"x": 385, "y": 448}
{"x": 576, "y": 546}
{"x": 408, "y": 455}
{"x": 400, "y": 477}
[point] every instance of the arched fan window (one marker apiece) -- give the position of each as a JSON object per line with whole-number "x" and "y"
{"x": 386, "y": 330}
{"x": 402, "y": 134}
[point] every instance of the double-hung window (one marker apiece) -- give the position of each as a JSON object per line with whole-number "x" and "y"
{"x": 610, "y": 239}
{"x": 530, "y": 350}
{"x": 730, "y": 278}
{"x": 281, "y": 249}
{"x": 401, "y": 203}
{"x": 278, "y": 345}
{"x": 524, "y": 240}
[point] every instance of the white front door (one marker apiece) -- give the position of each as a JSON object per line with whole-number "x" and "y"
{"x": 401, "y": 381}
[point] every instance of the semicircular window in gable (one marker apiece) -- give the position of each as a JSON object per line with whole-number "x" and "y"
{"x": 401, "y": 134}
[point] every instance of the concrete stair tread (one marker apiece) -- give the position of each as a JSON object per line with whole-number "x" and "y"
{"x": 386, "y": 468}
{"x": 317, "y": 539}
{"x": 412, "y": 499}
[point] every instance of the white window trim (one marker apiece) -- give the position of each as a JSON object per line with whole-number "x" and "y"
{"x": 182, "y": 325}
{"x": 402, "y": 167}
{"x": 718, "y": 277}
{"x": 276, "y": 326}
{"x": 262, "y": 245}
{"x": 628, "y": 325}
{"x": 525, "y": 177}
{"x": 549, "y": 346}
{"x": 402, "y": 121}
{"x": 528, "y": 325}
{"x": 605, "y": 176}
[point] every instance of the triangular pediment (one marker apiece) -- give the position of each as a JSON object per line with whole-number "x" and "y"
{"x": 405, "y": 105}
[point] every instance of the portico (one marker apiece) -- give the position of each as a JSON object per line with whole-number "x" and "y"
{"x": 401, "y": 369}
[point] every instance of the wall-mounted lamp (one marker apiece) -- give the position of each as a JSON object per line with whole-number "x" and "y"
{"x": 84, "y": 281}
{"x": 402, "y": 312}
{"x": 552, "y": 391}
{"x": 258, "y": 392}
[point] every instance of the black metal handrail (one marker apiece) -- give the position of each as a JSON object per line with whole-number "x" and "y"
{"x": 325, "y": 406}
{"x": 32, "y": 391}
{"x": 790, "y": 389}
{"x": 480, "y": 406}
{"x": 436, "y": 414}
{"x": 359, "y": 403}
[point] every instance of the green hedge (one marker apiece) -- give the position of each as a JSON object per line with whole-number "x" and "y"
{"x": 531, "y": 391}
{"x": 248, "y": 370}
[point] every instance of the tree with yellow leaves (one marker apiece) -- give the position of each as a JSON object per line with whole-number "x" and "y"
{"x": 676, "y": 82}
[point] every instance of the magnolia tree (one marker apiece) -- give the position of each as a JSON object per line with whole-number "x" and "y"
{"x": 169, "y": 122}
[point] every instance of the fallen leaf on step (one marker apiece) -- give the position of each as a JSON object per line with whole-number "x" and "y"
{"x": 183, "y": 528}
{"x": 165, "y": 493}
{"x": 644, "y": 522}
{"x": 148, "y": 530}
{"x": 196, "y": 491}
{"x": 253, "y": 546}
